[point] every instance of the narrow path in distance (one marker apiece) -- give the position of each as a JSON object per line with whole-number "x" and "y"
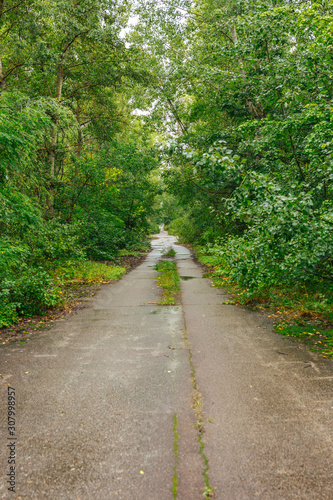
{"x": 104, "y": 400}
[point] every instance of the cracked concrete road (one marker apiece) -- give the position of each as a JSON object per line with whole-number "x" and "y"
{"x": 103, "y": 396}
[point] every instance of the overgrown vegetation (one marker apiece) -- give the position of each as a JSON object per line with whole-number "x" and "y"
{"x": 316, "y": 337}
{"x": 170, "y": 253}
{"x": 87, "y": 272}
{"x": 307, "y": 312}
{"x": 169, "y": 281}
{"x": 75, "y": 163}
{"x": 233, "y": 100}
{"x": 249, "y": 163}
{"x": 309, "y": 300}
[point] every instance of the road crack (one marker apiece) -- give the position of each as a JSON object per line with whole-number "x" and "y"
{"x": 176, "y": 455}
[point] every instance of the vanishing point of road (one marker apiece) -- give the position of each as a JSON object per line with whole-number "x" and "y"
{"x": 130, "y": 400}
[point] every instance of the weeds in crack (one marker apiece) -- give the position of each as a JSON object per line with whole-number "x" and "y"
{"x": 175, "y": 452}
{"x": 197, "y": 406}
{"x": 169, "y": 281}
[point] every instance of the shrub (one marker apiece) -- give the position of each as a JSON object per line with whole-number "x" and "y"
{"x": 102, "y": 235}
{"x": 8, "y": 310}
{"x": 31, "y": 293}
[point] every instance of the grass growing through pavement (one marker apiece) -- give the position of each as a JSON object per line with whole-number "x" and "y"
{"x": 170, "y": 253}
{"x": 169, "y": 281}
{"x": 316, "y": 338}
{"x": 197, "y": 406}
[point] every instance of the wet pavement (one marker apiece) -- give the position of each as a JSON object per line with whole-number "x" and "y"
{"x": 105, "y": 403}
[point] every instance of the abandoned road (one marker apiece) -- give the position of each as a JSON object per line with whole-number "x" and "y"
{"x": 130, "y": 400}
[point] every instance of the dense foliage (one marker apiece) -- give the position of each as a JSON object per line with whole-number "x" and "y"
{"x": 233, "y": 99}
{"x": 75, "y": 163}
{"x": 250, "y": 155}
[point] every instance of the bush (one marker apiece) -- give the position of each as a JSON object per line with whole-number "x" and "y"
{"x": 32, "y": 293}
{"x": 185, "y": 228}
{"x": 194, "y": 228}
{"x": 8, "y": 312}
{"x": 55, "y": 242}
{"x": 103, "y": 235}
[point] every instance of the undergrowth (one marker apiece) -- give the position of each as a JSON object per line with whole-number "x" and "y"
{"x": 88, "y": 272}
{"x": 37, "y": 293}
{"x": 317, "y": 338}
{"x": 306, "y": 299}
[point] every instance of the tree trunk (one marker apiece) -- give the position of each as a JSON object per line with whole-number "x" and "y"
{"x": 60, "y": 81}
{"x": 257, "y": 112}
{"x": 3, "y": 85}
{"x": 54, "y": 137}
{"x": 235, "y": 42}
{"x": 234, "y": 35}
{"x": 52, "y": 150}
{"x": 79, "y": 137}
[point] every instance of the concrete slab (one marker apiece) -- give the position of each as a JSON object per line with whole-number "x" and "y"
{"x": 96, "y": 400}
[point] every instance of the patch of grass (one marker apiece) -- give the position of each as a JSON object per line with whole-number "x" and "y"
{"x": 136, "y": 250}
{"x": 169, "y": 281}
{"x": 170, "y": 253}
{"x": 92, "y": 272}
{"x": 131, "y": 253}
{"x": 317, "y": 338}
{"x": 89, "y": 272}
{"x": 75, "y": 280}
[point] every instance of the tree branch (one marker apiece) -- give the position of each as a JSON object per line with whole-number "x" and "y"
{"x": 68, "y": 44}
{"x": 11, "y": 8}
{"x": 9, "y": 72}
